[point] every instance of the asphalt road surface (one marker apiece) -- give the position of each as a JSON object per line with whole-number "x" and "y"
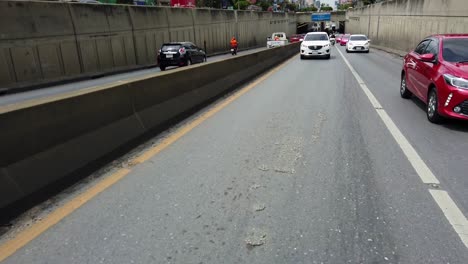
{"x": 300, "y": 169}
{"x": 73, "y": 86}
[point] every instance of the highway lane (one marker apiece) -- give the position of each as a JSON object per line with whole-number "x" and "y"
{"x": 301, "y": 165}
{"x": 442, "y": 147}
{"x": 73, "y": 86}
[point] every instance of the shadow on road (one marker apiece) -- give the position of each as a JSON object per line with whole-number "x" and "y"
{"x": 419, "y": 103}
{"x": 320, "y": 58}
{"x": 452, "y": 124}
{"x": 456, "y": 125}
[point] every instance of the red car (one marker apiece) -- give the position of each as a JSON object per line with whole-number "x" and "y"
{"x": 338, "y": 38}
{"x": 296, "y": 38}
{"x": 437, "y": 73}
{"x": 344, "y": 39}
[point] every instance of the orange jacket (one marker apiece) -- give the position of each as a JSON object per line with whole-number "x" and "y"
{"x": 233, "y": 43}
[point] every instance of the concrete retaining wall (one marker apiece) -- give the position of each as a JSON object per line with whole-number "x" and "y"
{"x": 401, "y": 24}
{"x": 43, "y": 42}
{"x": 48, "y": 140}
{"x": 37, "y": 42}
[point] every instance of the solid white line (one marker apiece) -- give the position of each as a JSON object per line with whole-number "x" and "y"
{"x": 453, "y": 213}
{"x": 418, "y": 164}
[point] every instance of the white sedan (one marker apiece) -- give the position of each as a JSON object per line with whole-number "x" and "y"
{"x": 358, "y": 43}
{"x": 316, "y": 44}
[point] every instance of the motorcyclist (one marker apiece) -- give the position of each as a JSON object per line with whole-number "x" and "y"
{"x": 332, "y": 38}
{"x": 234, "y": 44}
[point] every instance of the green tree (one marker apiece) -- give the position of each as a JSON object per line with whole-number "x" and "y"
{"x": 288, "y": 5}
{"x": 264, "y": 4}
{"x": 326, "y": 8}
{"x": 309, "y": 9}
{"x": 291, "y": 6}
{"x": 241, "y": 4}
{"x": 368, "y": 2}
{"x": 122, "y": 2}
{"x": 209, "y": 3}
{"x": 344, "y": 6}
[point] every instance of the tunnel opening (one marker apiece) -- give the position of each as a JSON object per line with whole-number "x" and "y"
{"x": 321, "y": 26}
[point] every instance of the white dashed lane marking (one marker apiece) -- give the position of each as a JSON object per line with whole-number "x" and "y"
{"x": 451, "y": 211}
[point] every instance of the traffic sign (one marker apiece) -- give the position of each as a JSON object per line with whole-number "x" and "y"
{"x": 321, "y": 17}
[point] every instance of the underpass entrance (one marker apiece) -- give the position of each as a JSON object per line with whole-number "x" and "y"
{"x": 328, "y": 22}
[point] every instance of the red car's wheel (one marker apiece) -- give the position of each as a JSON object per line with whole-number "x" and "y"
{"x": 404, "y": 92}
{"x": 433, "y": 107}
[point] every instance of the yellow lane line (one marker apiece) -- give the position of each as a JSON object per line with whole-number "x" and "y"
{"x": 8, "y": 248}
{"x": 24, "y": 237}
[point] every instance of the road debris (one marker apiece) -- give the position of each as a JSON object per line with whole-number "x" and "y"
{"x": 263, "y": 167}
{"x": 259, "y": 207}
{"x": 318, "y": 126}
{"x": 128, "y": 164}
{"x": 255, "y": 186}
{"x": 289, "y": 171}
{"x": 255, "y": 240}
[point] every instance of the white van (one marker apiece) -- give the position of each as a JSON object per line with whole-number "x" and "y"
{"x": 277, "y": 39}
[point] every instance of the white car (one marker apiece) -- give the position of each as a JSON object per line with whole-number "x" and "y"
{"x": 358, "y": 43}
{"x": 316, "y": 44}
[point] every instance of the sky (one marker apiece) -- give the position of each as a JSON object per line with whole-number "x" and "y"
{"x": 330, "y": 2}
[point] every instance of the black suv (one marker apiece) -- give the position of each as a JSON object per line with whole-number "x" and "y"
{"x": 179, "y": 54}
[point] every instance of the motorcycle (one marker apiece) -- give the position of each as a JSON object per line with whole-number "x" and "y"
{"x": 234, "y": 51}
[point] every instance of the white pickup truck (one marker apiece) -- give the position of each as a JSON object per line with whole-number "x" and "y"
{"x": 277, "y": 39}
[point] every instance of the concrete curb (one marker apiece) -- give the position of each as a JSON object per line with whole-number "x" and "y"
{"x": 390, "y": 50}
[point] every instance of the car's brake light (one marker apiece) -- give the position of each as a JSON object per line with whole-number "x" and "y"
{"x": 182, "y": 50}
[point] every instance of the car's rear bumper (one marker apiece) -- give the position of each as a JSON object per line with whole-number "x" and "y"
{"x": 172, "y": 62}
{"x": 451, "y": 98}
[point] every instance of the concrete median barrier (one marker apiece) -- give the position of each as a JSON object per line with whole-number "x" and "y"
{"x": 43, "y": 142}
